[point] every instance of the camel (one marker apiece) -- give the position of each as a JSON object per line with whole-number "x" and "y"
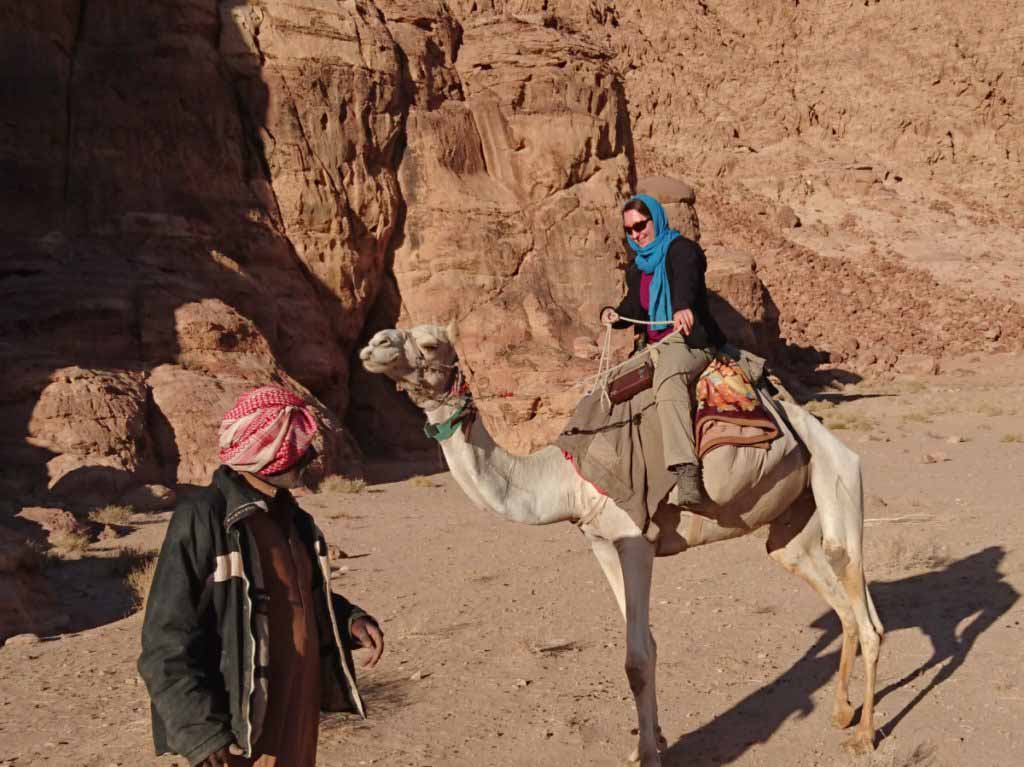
{"x": 813, "y": 510}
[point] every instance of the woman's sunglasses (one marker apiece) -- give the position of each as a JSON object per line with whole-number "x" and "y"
{"x": 636, "y": 228}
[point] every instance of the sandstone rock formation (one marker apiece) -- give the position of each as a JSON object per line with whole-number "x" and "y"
{"x": 207, "y": 207}
{"x": 27, "y": 603}
{"x": 511, "y": 186}
{"x": 204, "y": 196}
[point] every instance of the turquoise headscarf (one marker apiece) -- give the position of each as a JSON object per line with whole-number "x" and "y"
{"x": 651, "y": 260}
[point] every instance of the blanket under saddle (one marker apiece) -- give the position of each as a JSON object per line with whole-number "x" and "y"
{"x": 619, "y": 450}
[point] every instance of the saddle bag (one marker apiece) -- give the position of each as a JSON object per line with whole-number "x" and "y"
{"x": 631, "y": 383}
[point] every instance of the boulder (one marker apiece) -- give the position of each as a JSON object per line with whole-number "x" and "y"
{"x": 51, "y": 520}
{"x": 666, "y": 190}
{"x": 678, "y": 198}
{"x": 787, "y": 218}
{"x": 27, "y": 603}
{"x": 739, "y": 301}
{"x": 917, "y": 364}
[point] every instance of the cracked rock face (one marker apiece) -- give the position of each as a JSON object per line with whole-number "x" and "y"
{"x": 211, "y": 196}
{"x": 512, "y": 189}
{"x": 204, "y": 196}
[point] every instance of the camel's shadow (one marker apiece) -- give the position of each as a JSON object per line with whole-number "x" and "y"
{"x": 970, "y": 591}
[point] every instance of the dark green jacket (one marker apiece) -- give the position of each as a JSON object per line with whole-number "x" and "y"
{"x": 205, "y": 643}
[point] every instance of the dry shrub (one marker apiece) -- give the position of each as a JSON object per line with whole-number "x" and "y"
{"x": 336, "y": 483}
{"x": 990, "y": 410}
{"x": 69, "y": 542}
{"x": 837, "y": 421}
{"x": 340, "y": 514}
{"x": 136, "y": 567}
{"x": 422, "y": 481}
{"x": 911, "y": 387}
{"x": 890, "y": 754}
{"x": 112, "y": 515}
{"x": 917, "y": 417}
{"x": 1012, "y": 438}
{"x": 819, "y": 406}
{"x": 902, "y": 555}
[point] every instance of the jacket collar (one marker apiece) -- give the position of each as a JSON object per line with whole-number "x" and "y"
{"x": 241, "y": 498}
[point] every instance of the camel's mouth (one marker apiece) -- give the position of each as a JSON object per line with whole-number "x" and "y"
{"x": 379, "y": 359}
{"x": 383, "y": 351}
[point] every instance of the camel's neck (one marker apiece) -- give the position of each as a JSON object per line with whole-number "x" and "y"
{"x": 537, "y": 489}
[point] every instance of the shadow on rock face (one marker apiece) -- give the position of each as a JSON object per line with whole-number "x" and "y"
{"x": 153, "y": 224}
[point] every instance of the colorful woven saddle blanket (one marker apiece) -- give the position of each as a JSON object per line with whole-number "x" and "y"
{"x": 729, "y": 411}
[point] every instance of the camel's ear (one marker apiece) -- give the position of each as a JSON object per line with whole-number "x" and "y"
{"x": 452, "y": 331}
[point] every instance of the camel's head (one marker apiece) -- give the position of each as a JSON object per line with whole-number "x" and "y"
{"x": 421, "y": 361}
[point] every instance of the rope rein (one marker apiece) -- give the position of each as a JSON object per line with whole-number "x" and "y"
{"x": 604, "y": 366}
{"x": 458, "y": 387}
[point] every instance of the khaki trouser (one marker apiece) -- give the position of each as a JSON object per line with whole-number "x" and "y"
{"x": 676, "y": 368}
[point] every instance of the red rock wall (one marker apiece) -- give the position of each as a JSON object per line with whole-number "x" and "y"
{"x": 203, "y": 196}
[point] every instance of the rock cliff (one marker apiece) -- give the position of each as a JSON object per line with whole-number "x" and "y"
{"x": 204, "y": 196}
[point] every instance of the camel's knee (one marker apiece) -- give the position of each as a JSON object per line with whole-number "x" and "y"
{"x": 870, "y": 643}
{"x": 638, "y": 671}
{"x": 851, "y": 632}
{"x": 837, "y": 555}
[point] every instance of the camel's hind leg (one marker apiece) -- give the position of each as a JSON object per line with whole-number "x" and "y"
{"x": 794, "y": 541}
{"x": 838, "y": 494}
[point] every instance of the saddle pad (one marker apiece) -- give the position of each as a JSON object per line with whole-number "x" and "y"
{"x": 729, "y": 411}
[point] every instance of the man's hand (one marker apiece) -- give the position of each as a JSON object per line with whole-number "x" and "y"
{"x": 683, "y": 320}
{"x": 219, "y": 758}
{"x": 608, "y": 316}
{"x": 369, "y": 635}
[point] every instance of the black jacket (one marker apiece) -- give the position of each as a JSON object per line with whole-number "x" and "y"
{"x": 685, "y": 265}
{"x": 205, "y": 640}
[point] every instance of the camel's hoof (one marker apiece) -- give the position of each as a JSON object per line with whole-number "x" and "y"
{"x": 634, "y": 760}
{"x": 842, "y": 716}
{"x": 639, "y": 763}
{"x": 860, "y": 743}
{"x": 662, "y": 743}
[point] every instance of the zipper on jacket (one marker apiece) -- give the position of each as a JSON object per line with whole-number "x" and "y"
{"x": 247, "y": 698}
{"x": 325, "y": 571}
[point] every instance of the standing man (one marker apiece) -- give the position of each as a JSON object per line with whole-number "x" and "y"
{"x": 243, "y": 642}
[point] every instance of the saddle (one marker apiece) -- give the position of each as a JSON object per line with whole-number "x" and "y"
{"x": 728, "y": 411}
{"x": 619, "y": 449}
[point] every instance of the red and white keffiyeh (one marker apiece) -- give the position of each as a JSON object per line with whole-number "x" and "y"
{"x": 266, "y": 432}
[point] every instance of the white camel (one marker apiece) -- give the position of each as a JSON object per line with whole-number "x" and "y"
{"x": 813, "y": 507}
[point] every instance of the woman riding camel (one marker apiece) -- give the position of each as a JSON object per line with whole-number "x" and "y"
{"x": 665, "y": 285}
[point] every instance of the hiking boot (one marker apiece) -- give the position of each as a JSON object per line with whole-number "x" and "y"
{"x": 689, "y": 490}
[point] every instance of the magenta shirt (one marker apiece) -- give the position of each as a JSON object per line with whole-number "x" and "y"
{"x": 645, "y": 301}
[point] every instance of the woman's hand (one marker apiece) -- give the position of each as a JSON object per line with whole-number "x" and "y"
{"x": 608, "y": 316}
{"x": 683, "y": 320}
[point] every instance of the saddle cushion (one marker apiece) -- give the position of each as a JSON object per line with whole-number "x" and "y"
{"x": 729, "y": 411}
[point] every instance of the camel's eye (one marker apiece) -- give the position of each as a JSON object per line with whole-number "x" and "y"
{"x": 429, "y": 345}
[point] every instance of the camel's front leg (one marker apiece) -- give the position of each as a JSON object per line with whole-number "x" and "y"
{"x": 608, "y": 558}
{"x": 636, "y": 557}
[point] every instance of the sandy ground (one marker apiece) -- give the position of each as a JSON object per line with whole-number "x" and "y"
{"x": 504, "y": 646}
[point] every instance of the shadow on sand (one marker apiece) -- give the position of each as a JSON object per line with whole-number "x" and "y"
{"x": 970, "y": 592}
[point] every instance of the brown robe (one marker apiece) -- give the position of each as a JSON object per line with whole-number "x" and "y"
{"x": 291, "y": 726}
